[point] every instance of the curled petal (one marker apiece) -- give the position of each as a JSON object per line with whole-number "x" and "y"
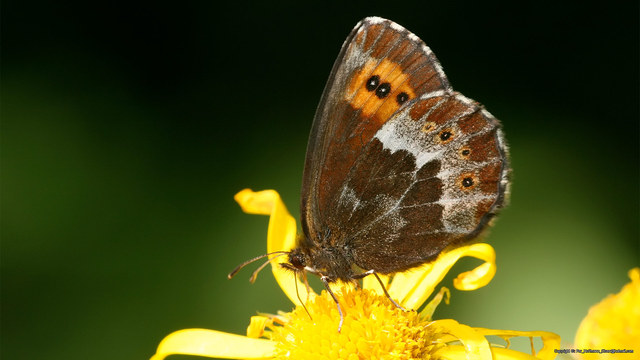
{"x": 281, "y": 235}
{"x": 414, "y": 287}
{"x": 474, "y": 345}
{"x": 215, "y": 344}
{"x": 550, "y": 341}
{"x": 481, "y": 275}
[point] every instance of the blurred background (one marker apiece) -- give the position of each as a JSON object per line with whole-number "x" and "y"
{"x": 127, "y": 127}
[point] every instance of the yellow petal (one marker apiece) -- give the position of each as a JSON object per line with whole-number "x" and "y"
{"x": 474, "y": 345}
{"x": 481, "y": 275}
{"x": 412, "y": 288}
{"x": 340, "y": 288}
{"x": 430, "y": 308}
{"x": 281, "y": 235}
{"x": 550, "y": 341}
{"x": 371, "y": 283}
{"x": 215, "y": 344}
{"x": 256, "y": 326}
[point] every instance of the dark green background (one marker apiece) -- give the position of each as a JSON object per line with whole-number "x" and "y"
{"x": 128, "y": 127}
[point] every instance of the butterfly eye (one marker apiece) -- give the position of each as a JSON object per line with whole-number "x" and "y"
{"x": 383, "y": 90}
{"x": 373, "y": 82}
{"x": 296, "y": 260}
{"x": 402, "y": 98}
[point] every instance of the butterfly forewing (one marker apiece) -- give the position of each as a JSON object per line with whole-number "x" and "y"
{"x": 350, "y": 113}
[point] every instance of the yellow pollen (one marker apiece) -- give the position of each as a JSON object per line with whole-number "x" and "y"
{"x": 373, "y": 329}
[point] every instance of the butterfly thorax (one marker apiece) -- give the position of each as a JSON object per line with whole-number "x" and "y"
{"x": 332, "y": 262}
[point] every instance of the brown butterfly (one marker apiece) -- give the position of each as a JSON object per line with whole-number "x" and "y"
{"x": 399, "y": 166}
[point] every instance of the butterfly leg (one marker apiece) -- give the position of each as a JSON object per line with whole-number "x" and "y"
{"x": 295, "y": 280}
{"x": 325, "y": 281}
{"x": 384, "y": 288}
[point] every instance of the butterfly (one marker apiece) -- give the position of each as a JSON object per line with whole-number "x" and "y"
{"x": 398, "y": 166}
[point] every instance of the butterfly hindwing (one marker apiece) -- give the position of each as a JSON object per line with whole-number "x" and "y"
{"x": 432, "y": 176}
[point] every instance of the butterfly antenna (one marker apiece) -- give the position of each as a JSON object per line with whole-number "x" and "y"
{"x": 239, "y": 267}
{"x": 298, "y": 294}
{"x": 254, "y": 275}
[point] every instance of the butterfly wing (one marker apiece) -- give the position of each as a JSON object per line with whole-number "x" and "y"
{"x": 398, "y": 165}
{"x": 434, "y": 175}
{"x": 353, "y": 108}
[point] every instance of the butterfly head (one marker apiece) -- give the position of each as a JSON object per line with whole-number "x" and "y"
{"x": 328, "y": 262}
{"x": 297, "y": 261}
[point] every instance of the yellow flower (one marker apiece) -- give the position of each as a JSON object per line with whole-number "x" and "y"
{"x": 373, "y": 327}
{"x": 613, "y": 324}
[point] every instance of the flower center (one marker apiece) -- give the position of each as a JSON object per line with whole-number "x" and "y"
{"x": 373, "y": 328}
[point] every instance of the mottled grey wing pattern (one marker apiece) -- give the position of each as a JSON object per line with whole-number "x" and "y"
{"x": 352, "y": 110}
{"x": 432, "y": 176}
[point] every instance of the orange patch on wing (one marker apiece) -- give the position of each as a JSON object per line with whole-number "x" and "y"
{"x": 370, "y": 105}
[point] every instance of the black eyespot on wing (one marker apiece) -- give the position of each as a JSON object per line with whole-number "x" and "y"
{"x": 465, "y": 152}
{"x": 383, "y": 90}
{"x": 402, "y": 98}
{"x": 373, "y": 83}
{"x": 467, "y": 182}
{"x": 445, "y": 135}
